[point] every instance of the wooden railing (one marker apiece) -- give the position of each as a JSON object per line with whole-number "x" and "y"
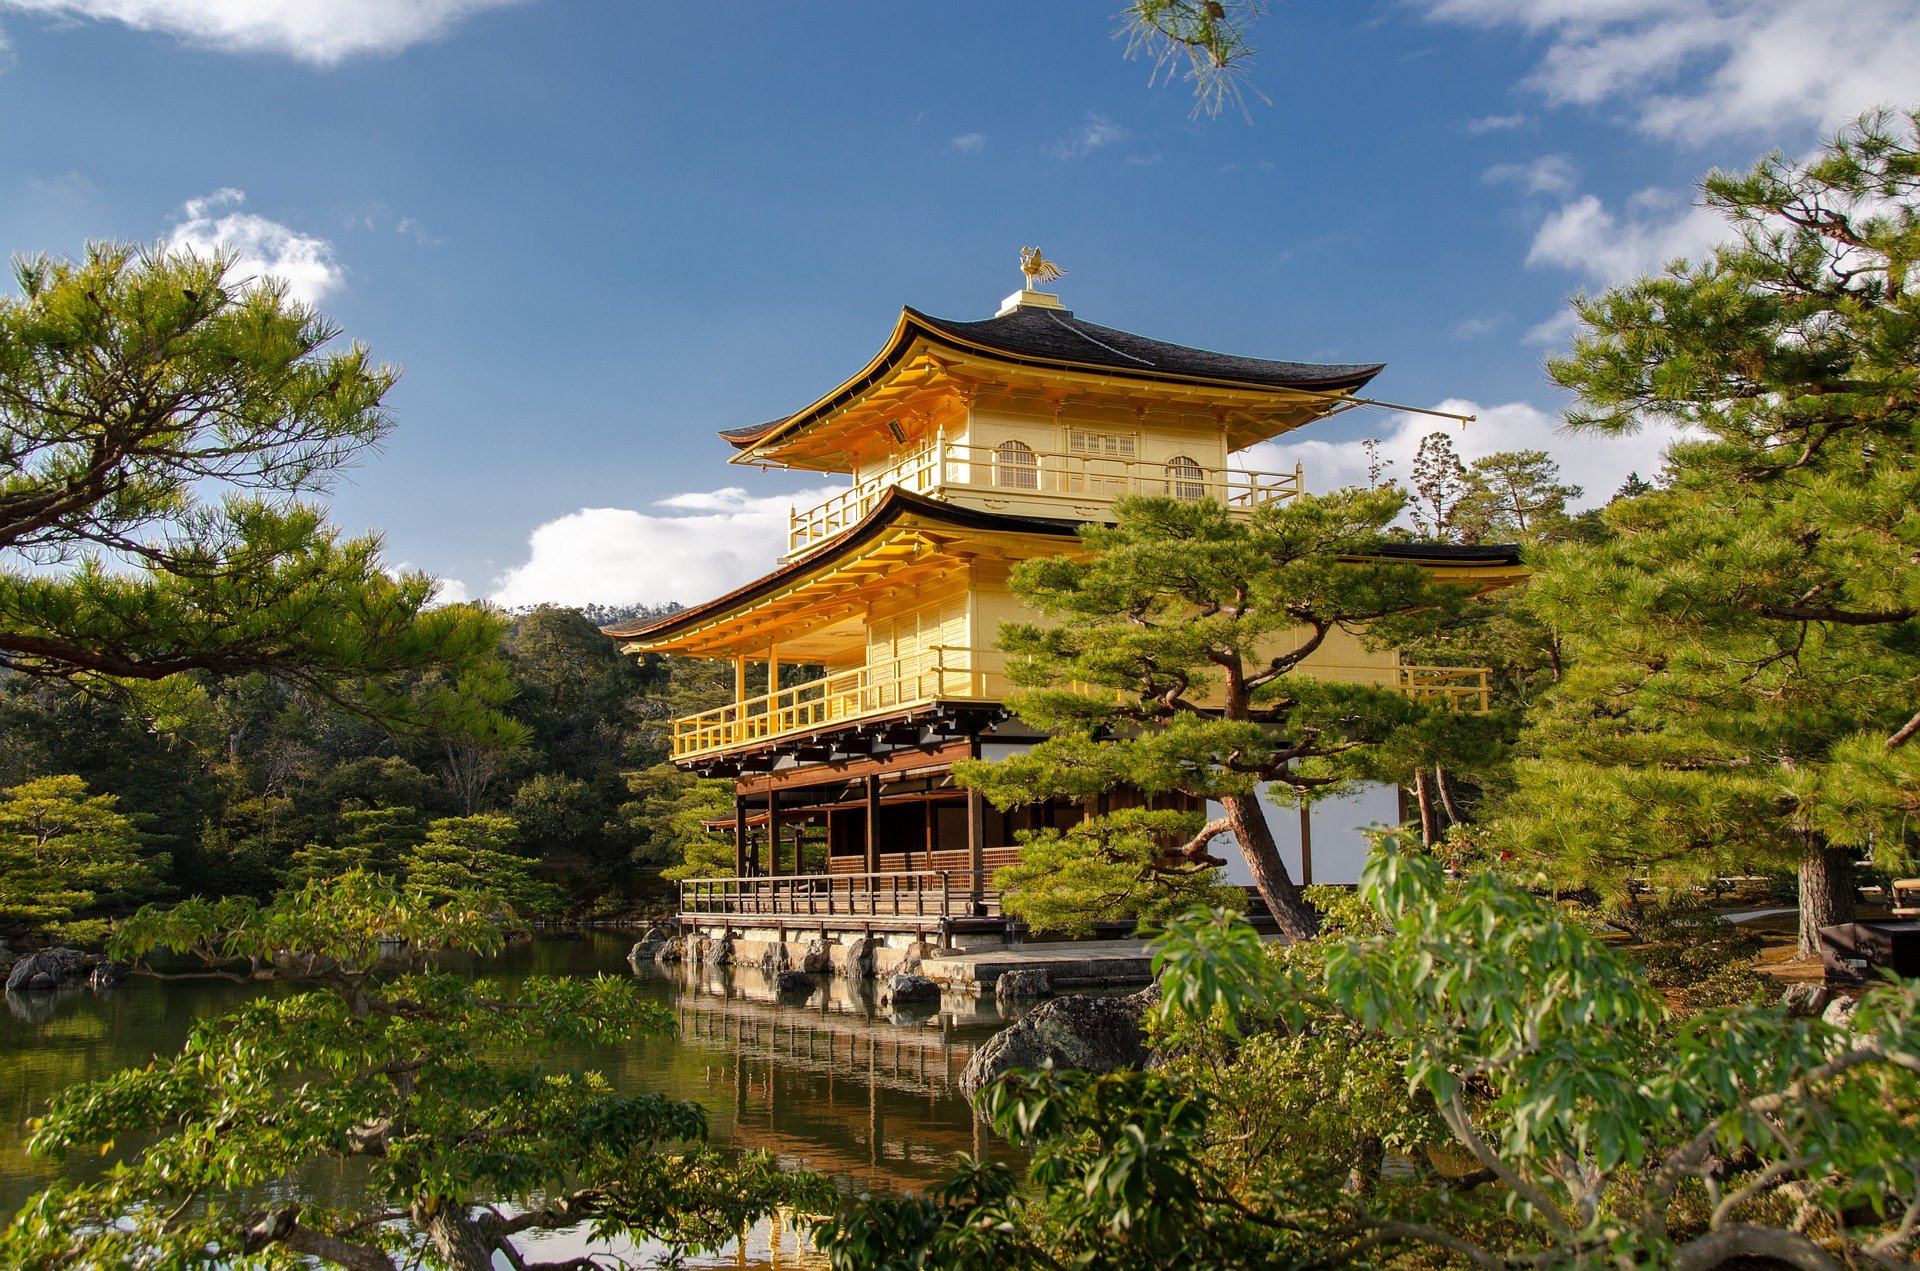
{"x": 942, "y": 673}
{"x": 1045, "y": 476}
{"x": 1461, "y": 688}
{"x": 944, "y": 893}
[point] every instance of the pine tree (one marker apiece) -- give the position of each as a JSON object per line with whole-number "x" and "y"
{"x": 66, "y": 855}
{"x": 465, "y": 855}
{"x": 1744, "y": 688}
{"x": 1175, "y": 668}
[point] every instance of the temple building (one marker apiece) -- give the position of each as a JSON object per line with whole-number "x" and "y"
{"x": 864, "y": 664}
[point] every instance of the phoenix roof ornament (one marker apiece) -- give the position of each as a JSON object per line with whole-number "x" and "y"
{"x": 1038, "y": 268}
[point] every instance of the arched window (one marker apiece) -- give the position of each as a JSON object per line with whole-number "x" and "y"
{"x": 1185, "y": 479}
{"x": 1014, "y": 467}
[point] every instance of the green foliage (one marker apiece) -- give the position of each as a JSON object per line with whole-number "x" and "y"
{"x": 1109, "y": 868}
{"x": 1464, "y": 1073}
{"x": 1174, "y": 667}
{"x": 474, "y": 855}
{"x": 1209, "y": 36}
{"x": 434, "y": 1084}
{"x": 1741, "y": 683}
{"x": 670, "y": 814}
{"x": 373, "y": 840}
{"x": 67, "y": 859}
{"x": 130, "y": 380}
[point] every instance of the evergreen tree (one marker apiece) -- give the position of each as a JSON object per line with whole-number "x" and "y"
{"x": 131, "y": 382}
{"x": 66, "y": 858}
{"x": 1744, "y": 689}
{"x": 1174, "y": 668}
{"x": 475, "y": 855}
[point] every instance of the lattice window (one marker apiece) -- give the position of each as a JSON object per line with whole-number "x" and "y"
{"x": 1185, "y": 478}
{"x": 1084, "y": 443}
{"x": 1015, "y": 467}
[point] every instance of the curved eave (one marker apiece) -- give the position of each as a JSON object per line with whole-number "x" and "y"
{"x": 894, "y": 505}
{"x": 913, "y": 324}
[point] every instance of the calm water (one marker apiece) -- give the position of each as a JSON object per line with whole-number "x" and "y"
{"x": 837, "y": 1085}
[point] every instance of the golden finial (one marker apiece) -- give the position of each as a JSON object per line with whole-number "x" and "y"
{"x": 1038, "y": 268}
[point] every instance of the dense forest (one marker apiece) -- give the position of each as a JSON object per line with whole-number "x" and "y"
{"x": 247, "y": 785}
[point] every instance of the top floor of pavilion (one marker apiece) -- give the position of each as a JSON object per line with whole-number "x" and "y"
{"x": 1036, "y": 412}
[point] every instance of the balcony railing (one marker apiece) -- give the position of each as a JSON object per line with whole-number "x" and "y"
{"x": 945, "y": 893}
{"x": 1461, "y": 688}
{"x": 1037, "y": 476}
{"x": 941, "y": 673}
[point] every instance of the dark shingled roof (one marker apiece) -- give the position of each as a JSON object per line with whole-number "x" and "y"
{"x": 1055, "y": 338}
{"x": 1056, "y": 335}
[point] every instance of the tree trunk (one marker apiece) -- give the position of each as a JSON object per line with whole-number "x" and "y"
{"x": 1826, "y": 892}
{"x": 1296, "y": 918}
{"x": 1423, "y": 790}
{"x": 1445, "y": 788}
{"x": 458, "y": 1239}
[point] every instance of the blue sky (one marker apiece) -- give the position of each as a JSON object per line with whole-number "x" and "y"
{"x": 594, "y": 231}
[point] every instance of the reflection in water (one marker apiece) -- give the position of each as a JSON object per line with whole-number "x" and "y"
{"x": 834, "y": 1083}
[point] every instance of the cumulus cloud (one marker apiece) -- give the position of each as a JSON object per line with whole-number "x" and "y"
{"x": 1654, "y": 227}
{"x": 700, "y": 545}
{"x": 262, "y": 247}
{"x": 969, "y": 142}
{"x": 1598, "y": 464}
{"x": 1098, "y": 131}
{"x": 320, "y": 32}
{"x": 1699, "y": 69}
{"x": 1549, "y": 174}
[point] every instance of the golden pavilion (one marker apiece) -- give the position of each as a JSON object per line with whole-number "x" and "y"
{"x": 968, "y": 446}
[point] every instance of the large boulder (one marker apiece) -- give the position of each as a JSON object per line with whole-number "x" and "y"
{"x": 860, "y": 957}
{"x": 49, "y": 969}
{"x": 775, "y": 960}
{"x": 647, "y": 948}
{"x": 1022, "y": 984}
{"x": 107, "y": 972}
{"x": 1092, "y": 1034}
{"x": 1840, "y": 1012}
{"x": 671, "y": 950}
{"x": 910, "y": 990}
{"x": 818, "y": 959}
{"x": 795, "y": 985}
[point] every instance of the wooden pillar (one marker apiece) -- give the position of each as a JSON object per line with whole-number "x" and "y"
{"x": 773, "y": 831}
{"x": 739, "y": 834}
{"x": 773, "y": 668}
{"x": 976, "y": 845}
{"x": 932, "y": 822}
{"x": 740, "y": 678}
{"x": 1306, "y": 845}
{"x": 873, "y": 823}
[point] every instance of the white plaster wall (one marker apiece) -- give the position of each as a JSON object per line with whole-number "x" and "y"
{"x": 1339, "y": 846}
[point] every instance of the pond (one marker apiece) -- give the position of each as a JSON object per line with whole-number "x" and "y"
{"x": 838, "y": 1085}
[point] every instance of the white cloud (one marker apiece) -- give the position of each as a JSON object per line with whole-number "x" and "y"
{"x": 262, "y": 247}
{"x": 1555, "y": 331}
{"x": 321, "y": 32}
{"x": 969, "y": 142}
{"x": 450, "y": 591}
{"x": 1598, "y": 464}
{"x": 1549, "y": 174}
{"x": 1478, "y": 325}
{"x": 1495, "y": 123}
{"x": 705, "y": 545}
{"x": 1098, "y": 131}
{"x": 1698, "y": 69}
{"x": 1654, "y": 228}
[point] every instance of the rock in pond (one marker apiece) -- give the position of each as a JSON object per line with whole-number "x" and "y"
{"x": 1018, "y": 984}
{"x": 910, "y": 990}
{"x": 795, "y": 985}
{"x": 108, "y": 972}
{"x": 1092, "y": 1034}
{"x": 818, "y": 959}
{"x": 48, "y": 970}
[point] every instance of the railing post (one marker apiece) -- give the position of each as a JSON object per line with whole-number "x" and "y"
{"x": 946, "y": 894}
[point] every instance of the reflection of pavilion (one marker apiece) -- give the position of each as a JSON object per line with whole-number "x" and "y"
{"x": 836, "y": 1086}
